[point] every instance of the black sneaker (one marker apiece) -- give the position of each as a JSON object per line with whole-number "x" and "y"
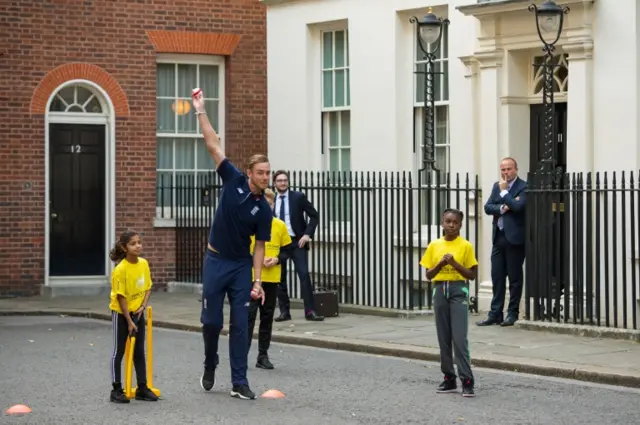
{"x": 145, "y": 394}
{"x": 242, "y": 392}
{"x": 467, "y": 388}
{"x": 117, "y": 396}
{"x": 208, "y": 379}
{"x": 264, "y": 363}
{"x": 448, "y": 385}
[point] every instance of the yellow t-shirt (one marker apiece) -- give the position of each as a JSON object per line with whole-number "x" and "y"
{"x": 462, "y": 252}
{"x": 131, "y": 281}
{"x": 279, "y": 238}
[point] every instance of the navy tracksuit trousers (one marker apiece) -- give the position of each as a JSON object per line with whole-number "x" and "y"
{"x": 222, "y": 276}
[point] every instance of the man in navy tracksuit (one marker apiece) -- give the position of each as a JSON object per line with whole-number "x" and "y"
{"x": 242, "y": 211}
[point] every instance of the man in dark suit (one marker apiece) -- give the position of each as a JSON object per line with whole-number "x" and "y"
{"x": 291, "y": 207}
{"x": 507, "y": 206}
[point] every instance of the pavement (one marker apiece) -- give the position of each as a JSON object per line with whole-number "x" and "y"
{"x": 586, "y": 358}
{"x": 59, "y": 367}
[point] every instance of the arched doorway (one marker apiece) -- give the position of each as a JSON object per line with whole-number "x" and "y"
{"x": 79, "y": 184}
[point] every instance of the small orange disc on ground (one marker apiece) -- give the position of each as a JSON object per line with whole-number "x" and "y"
{"x": 18, "y": 409}
{"x": 273, "y": 394}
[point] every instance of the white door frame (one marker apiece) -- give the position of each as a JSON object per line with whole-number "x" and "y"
{"x": 106, "y": 118}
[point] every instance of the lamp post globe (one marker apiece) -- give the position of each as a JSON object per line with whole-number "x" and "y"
{"x": 549, "y": 17}
{"x": 429, "y": 28}
{"x": 549, "y": 20}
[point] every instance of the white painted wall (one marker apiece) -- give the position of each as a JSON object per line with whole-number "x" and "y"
{"x": 489, "y": 101}
{"x": 381, "y": 66}
{"x": 615, "y": 89}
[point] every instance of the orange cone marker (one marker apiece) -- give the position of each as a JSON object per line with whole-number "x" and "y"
{"x": 273, "y": 394}
{"x": 18, "y": 409}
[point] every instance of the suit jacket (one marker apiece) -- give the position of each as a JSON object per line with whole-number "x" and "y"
{"x": 514, "y": 219}
{"x": 299, "y": 205}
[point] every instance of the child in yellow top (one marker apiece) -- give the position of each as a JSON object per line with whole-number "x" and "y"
{"x": 130, "y": 292}
{"x": 450, "y": 262}
{"x": 277, "y": 250}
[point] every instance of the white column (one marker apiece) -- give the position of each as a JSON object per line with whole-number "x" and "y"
{"x": 515, "y": 134}
{"x": 489, "y": 155}
{"x": 579, "y": 138}
{"x": 465, "y": 138}
{"x": 515, "y": 113}
{"x": 515, "y": 122}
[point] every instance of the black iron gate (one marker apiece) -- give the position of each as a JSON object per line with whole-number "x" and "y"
{"x": 582, "y": 247}
{"x": 374, "y": 227}
{"x": 546, "y": 246}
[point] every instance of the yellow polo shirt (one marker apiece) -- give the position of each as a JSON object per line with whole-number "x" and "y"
{"x": 279, "y": 238}
{"x": 131, "y": 281}
{"x": 462, "y": 252}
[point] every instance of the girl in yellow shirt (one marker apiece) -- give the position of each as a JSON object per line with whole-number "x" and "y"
{"x": 277, "y": 250}
{"x": 130, "y": 292}
{"x": 451, "y": 262}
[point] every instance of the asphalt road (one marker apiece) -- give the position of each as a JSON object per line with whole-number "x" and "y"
{"x": 60, "y": 368}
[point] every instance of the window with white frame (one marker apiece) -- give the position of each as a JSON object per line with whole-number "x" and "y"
{"x": 336, "y": 115}
{"x": 437, "y": 196}
{"x": 182, "y": 160}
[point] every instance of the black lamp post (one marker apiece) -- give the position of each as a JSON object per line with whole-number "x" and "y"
{"x": 546, "y": 272}
{"x": 429, "y": 33}
{"x": 549, "y": 22}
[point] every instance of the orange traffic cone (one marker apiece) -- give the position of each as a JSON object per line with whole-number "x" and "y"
{"x": 273, "y": 394}
{"x": 18, "y": 409}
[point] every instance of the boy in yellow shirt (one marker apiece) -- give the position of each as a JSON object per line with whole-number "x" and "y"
{"x": 450, "y": 262}
{"x": 277, "y": 250}
{"x": 130, "y": 292}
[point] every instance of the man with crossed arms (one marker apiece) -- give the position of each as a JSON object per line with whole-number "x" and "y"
{"x": 507, "y": 206}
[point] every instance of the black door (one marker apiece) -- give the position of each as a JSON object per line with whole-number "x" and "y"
{"x": 77, "y": 200}
{"x": 558, "y": 241}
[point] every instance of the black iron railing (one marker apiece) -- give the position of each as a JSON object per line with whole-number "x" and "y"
{"x": 582, "y": 248}
{"x": 373, "y": 229}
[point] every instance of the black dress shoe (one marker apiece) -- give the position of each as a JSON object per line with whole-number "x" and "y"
{"x": 313, "y": 317}
{"x": 488, "y": 322}
{"x": 283, "y": 317}
{"x": 509, "y": 321}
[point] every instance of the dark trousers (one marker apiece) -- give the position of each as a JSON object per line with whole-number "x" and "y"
{"x": 267, "y": 311}
{"x": 506, "y": 261}
{"x": 220, "y": 277}
{"x": 451, "y": 310}
{"x": 300, "y": 258}
{"x": 120, "y": 335}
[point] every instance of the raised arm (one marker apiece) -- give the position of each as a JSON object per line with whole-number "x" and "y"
{"x": 210, "y": 136}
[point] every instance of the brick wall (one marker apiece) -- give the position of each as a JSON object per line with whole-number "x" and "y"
{"x": 108, "y": 40}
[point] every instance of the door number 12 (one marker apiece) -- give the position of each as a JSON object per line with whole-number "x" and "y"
{"x": 76, "y": 148}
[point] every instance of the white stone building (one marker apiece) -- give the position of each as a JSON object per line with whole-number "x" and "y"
{"x": 487, "y": 98}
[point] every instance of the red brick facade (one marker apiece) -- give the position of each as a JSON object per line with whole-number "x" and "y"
{"x": 113, "y": 43}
